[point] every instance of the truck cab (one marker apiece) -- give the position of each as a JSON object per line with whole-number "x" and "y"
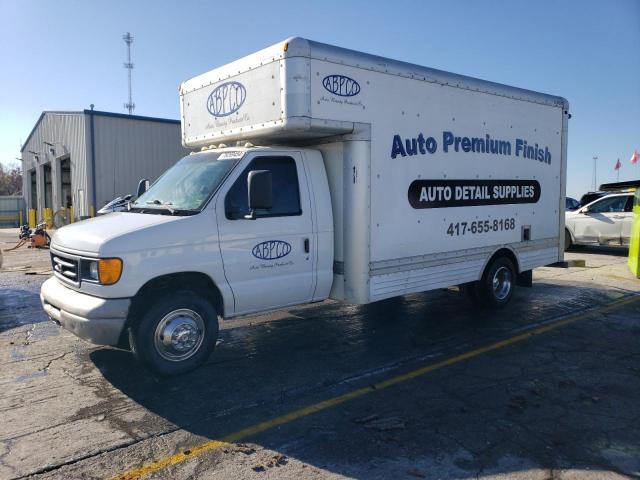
{"x": 195, "y": 235}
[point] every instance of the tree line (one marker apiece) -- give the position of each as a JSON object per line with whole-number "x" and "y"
{"x": 10, "y": 179}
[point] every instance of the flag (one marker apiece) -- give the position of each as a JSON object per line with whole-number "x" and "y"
{"x": 634, "y": 157}
{"x": 618, "y": 165}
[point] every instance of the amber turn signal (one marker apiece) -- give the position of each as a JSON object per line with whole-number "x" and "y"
{"x": 109, "y": 270}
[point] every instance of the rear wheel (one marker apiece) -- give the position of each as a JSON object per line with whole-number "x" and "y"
{"x": 496, "y": 286}
{"x": 176, "y": 334}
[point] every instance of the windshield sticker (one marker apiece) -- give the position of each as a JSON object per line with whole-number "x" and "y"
{"x": 231, "y": 155}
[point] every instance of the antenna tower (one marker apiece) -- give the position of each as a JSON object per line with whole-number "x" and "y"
{"x": 128, "y": 39}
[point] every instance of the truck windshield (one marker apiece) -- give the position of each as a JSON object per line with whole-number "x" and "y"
{"x": 187, "y": 186}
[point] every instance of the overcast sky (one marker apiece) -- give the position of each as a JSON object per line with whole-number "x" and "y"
{"x": 65, "y": 55}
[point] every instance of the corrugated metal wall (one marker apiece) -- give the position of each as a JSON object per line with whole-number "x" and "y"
{"x": 66, "y": 131}
{"x": 126, "y": 150}
{"x": 10, "y": 208}
{"x": 130, "y": 149}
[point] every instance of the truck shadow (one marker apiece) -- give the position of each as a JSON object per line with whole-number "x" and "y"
{"x": 261, "y": 371}
{"x": 600, "y": 250}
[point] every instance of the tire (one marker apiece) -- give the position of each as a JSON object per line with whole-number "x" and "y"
{"x": 192, "y": 323}
{"x": 497, "y": 284}
{"x": 567, "y": 240}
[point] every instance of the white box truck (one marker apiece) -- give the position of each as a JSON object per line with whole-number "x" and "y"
{"x": 322, "y": 173}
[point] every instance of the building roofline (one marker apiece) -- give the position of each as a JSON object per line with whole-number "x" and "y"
{"x": 132, "y": 117}
{"x": 44, "y": 112}
{"x": 97, "y": 113}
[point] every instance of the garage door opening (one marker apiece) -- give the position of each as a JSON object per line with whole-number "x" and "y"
{"x": 48, "y": 187}
{"x": 33, "y": 190}
{"x": 65, "y": 183}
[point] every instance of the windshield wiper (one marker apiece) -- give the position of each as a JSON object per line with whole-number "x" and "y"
{"x": 167, "y": 205}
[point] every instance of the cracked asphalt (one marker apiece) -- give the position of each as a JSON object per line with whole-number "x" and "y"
{"x": 559, "y": 405}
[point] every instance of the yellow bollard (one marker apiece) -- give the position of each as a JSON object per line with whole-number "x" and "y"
{"x": 32, "y": 218}
{"x": 71, "y": 218}
{"x": 634, "y": 245}
{"x": 21, "y": 219}
{"x": 92, "y": 212}
{"x": 47, "y": 217}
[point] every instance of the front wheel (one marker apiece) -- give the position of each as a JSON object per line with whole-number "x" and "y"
{"x": 176, "y": 334}
{"x": 568, "y": 243}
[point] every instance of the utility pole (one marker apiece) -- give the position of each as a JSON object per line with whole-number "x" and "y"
{"x": 128, "y": 39}
{"x": 595, "y": 174}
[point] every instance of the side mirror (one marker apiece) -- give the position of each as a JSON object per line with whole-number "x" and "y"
{"x": 259, "y": 190}
{"x": 143, "y": 185}
{"x": 584, "y": 210}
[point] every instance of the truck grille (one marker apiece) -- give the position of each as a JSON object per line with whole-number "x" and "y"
{"x": 65, "y": 267}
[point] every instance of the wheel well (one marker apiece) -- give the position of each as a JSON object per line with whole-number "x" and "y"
{"x": 569, "y": 232}
{"x": 195, "y": 281}
{"x": 505, "y": 252}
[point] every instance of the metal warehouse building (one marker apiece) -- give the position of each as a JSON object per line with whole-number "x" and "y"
{"x": 82, "y": 160}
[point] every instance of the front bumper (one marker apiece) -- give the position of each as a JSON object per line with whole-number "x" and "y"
{"x": 98, "y": 320}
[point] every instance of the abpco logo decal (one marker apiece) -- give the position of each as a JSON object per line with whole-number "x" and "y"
{"x": 341, "y": 85}
{"x": 226, "y": 99}
{"x": 271, "y": 250}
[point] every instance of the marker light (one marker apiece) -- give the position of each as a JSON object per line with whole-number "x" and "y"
{"x": 109, "y": 270}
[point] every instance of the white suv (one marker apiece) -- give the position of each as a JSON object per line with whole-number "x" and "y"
{"x": 605, "y": 221}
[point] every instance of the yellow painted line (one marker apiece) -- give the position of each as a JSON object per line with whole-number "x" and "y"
{"x": 138, "y": 472}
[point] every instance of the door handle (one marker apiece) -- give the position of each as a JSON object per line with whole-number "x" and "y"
{"x": 306, "y": 245}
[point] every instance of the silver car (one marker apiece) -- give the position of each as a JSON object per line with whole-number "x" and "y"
{"x": 605, "y": 221}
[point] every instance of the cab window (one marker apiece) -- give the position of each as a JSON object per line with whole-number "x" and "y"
{"x": 286, "y": 192}
{"x": 609, "y": 205}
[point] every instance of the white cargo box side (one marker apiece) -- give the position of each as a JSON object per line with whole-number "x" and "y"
{"x": 388, "y": 243}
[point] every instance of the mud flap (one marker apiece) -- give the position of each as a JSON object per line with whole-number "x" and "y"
{"x": 525, "y": 279}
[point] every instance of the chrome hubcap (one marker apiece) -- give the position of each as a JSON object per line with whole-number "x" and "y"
{"x": 179, "y": 335}
{"x": 502, "y": 283}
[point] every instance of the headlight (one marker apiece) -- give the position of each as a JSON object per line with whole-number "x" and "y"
{"x": 105, "y": 271}
{"x": 92, "y": 270}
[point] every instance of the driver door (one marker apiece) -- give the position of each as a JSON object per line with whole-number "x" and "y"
{"x": 267, "y": 261}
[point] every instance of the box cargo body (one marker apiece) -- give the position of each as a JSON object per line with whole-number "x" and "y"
{"x": 430, "y": 173}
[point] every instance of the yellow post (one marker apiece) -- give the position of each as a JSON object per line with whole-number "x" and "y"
{"x": 32, "y": 218}
{"x": 71, "y": 215}
{"x": 634, "y": 245}
{"x": 20, "y": 219}
{"x": 47, "y": 216}
{"x": 92, "y": 212}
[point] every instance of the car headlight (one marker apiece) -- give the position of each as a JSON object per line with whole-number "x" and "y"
{"x": 105, "y": 271}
